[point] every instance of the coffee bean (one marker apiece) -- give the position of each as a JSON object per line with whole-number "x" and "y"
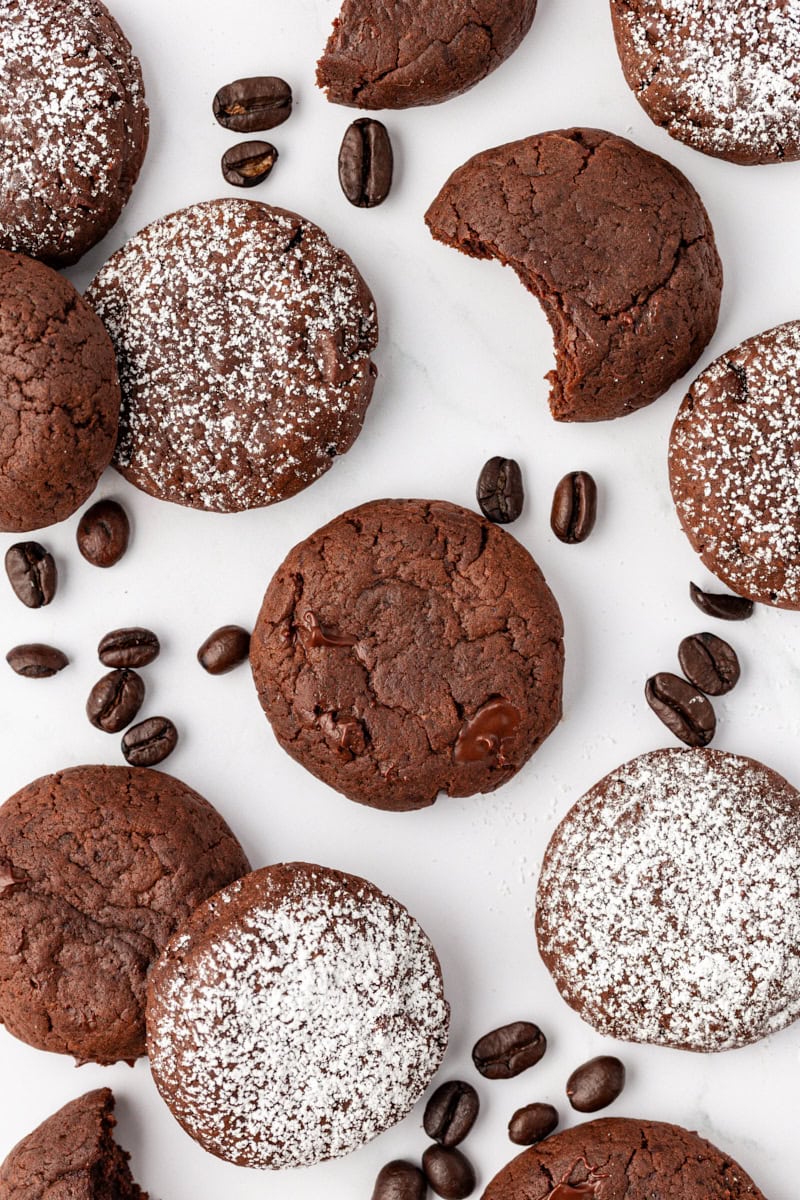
{"x": 501, "y": 495}
{"x": 248, "y": 163}
{"x": 532, "y": 1124}
{"x": 709, "y": 663}
{"x": 36, "y": 661}
{"x": 448, "y": 1172}
{"x": 366, "y": 163}
{"x": 224, "y": 649}
{"x": 103, "y": 533}
{"x": 149, "y": 742}
{"x": 451, "y": 1112}
{"x": 250, "y": 105}
{"x": 128, "y": 648}
{"x": 596, "y": 1084}
{"x": 720, "y": 604}
{"x": 32, "y": 573}
{"x": 115, "y": 700}
{"x": 683, "y": 709}
{"x": 508, "y": 1051}
{"x": 400, "y": 1180}
{"x": 574, "y": 510}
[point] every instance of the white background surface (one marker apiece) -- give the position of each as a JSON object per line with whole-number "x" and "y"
{"x": 462, "y": 358}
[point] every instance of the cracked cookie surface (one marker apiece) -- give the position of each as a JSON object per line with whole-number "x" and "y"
{"x": 408, "y": 648}
{"x": 615, "y": 244}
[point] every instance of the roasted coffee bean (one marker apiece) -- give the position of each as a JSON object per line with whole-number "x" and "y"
{"x": 224, "y": 649}
{"x": 532, "y": 1124}
{"x": 723, "y": 605}
{"x": 596, "y": 1084}
{"x": 683, "y": 709}
{"x": 115, "y": 700}
{"x": 451, "y": 1112}
{"x": 508, "y": 1051}
{"x": 36, "y": 661}
{"x": 32, "y": 573}
{"x": 574, "y": 510}
{"x": 149, "y": 742}
{"x": 449, "y": 1173}
{"x": 251, "y": 105}
{"x": 103, "y": 533}
{"x": 249, "y": 163}
{"x": 709, "y": 663}
{"x": 128, "y": 648}
{"x": 400, "y": 1180}
{"x": 366, "y": 163}
{"x": 501, "y": 495}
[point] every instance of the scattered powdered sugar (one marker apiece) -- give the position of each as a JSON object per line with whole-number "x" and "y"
{"x": 669, "y": 901}
{"x": 302, "y": 1027}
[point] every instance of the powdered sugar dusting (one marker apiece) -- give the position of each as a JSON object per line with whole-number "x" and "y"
{"x": 669, "y": 901}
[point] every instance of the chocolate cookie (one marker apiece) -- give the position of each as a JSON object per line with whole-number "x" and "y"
{"x": 616, "y": 245}
{"x": 724, "y": 78}
{"x": 244, "y": 340}
{"x": 734, "y": 463}
{"x": 618, "y": 1159}
{"x": 295, "y": 1016}
{"x": 59, "y": 396}
{"x": 71, "y": 1156}
{"x": 409, "y": 648}
{"x": 669, "y": 902}
{"x": 73, "y": 126}
{"x": 397, "y": 55}
{"x": 98, "y": 865}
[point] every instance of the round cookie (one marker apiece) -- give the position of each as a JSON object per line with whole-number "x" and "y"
{"x": 244, "y": 341}
{"x": 59, "y": 396}
{"x": 734, "y": 466}
{"x": 73, "y": 126}
{"x": 615, "y": 244}
{"x": 294, "y": 1017}
{"x": 98, "y": 866}
{"x": 409, "y": 648}
{"x": 668, "y": 908}
{"x": 398, "y": 55}
{"x": 723, "y": 78}
{"x": 618, "y": 1159}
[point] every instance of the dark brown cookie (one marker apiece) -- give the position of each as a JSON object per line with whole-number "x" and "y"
{"x": 98, "y": 867}
{"x": 71, "y": 1156}
{"x": 618, "y": 1159}
{"x": 59, "y": 396}
{"x": 409, "y": 648}
{"x": 294, "y": 1017}
{"x": 724, "y": 78}
{"x": 244, "y": 339}
{"x": 734, "y": 463}
{"x": 397, "y": 55}
{"x": 73, "y": 126}
{"x": 616, "y": 245}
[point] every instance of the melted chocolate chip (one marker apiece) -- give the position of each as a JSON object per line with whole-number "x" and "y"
{"x": 323, "y": 635}
{"x": 489, "y": 734}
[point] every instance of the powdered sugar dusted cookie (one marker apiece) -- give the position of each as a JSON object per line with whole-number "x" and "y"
{"x": 296, "y": 1015}
{"x": 669, "y": 902}
{"x": 244, "y": 341}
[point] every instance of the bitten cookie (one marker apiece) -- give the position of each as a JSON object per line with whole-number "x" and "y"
{"x": 98, "y": 866}
{"x": 397, "y": 55}
{"x": 724, "y": 78}
{"x": 71, "y": 1156}
{"x": 73, "y": 126}
{"x": 409, "y": 648}
{"x": 668, "y": 908}
{"x": 294, "y": 1017}
{"x": 616, "y": 245}
{"x": 244, "y": 340}
{"x": 59, "y": 396}
{"x": 734, "y": 467}
{"x": 618, "y": 1159}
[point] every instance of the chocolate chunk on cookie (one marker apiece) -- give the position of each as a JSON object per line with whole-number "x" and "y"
{"x": 615, "y": 244}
